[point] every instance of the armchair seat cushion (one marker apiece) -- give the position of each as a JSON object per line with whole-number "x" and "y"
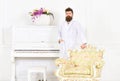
{"x": 81, "y": 70}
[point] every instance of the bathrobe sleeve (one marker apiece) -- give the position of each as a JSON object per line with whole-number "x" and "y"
{"x": 59, "y": 32}
{"x": 81, "y": 38}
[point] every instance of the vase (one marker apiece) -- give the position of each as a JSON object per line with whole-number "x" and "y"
{"x": 42, "y": 20}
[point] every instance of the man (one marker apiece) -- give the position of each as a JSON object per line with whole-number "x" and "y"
{"x": 70, "y": 34}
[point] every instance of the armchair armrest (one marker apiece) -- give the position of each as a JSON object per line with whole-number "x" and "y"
{"x": 97, "y": 67}
{"x": 61, "y": 61}
{"x": 62, "y": 65}
{"x": 99, "y": 64}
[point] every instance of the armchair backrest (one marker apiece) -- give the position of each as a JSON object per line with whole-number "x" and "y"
{"x": 86, "y": 56}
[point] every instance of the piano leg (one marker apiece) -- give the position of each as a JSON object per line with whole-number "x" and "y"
{"x": 13, "y": 76}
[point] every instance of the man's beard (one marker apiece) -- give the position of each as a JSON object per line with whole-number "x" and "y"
{"x": 68, "y": 18}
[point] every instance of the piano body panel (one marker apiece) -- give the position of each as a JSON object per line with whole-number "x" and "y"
{"x": 38, "y": 42}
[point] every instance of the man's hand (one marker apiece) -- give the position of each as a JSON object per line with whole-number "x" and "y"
{"x": 83, "y": 46}
{"x": 59, "y": 41}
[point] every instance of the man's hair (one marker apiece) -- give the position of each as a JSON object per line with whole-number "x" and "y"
{"x": 68, "y": 9}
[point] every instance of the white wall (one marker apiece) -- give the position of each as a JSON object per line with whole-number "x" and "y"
{"x": 1, "y": 17}
{"x": 103, "y": 30}
{"x": 103, "y": 21}
{"x": 100, "y": 17}
{"x": 4, "y": 53}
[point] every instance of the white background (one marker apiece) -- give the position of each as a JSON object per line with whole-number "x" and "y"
{"x": 100, "y": 18}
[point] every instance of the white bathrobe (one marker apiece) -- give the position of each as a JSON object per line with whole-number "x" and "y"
{"x": 73, "y": 36}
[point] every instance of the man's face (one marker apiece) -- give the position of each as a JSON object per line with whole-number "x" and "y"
{"x": 69, "y": 16}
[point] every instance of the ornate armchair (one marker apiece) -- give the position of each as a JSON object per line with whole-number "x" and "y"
{"x": 82, "y": 65}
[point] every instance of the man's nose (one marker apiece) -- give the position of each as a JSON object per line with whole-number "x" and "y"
{"x": 68, "y": 15}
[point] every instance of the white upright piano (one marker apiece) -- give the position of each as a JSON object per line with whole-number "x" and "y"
{"x": 38, "y": 42}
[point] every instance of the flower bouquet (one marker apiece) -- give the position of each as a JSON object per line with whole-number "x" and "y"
{"x": 38, "y": 13}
